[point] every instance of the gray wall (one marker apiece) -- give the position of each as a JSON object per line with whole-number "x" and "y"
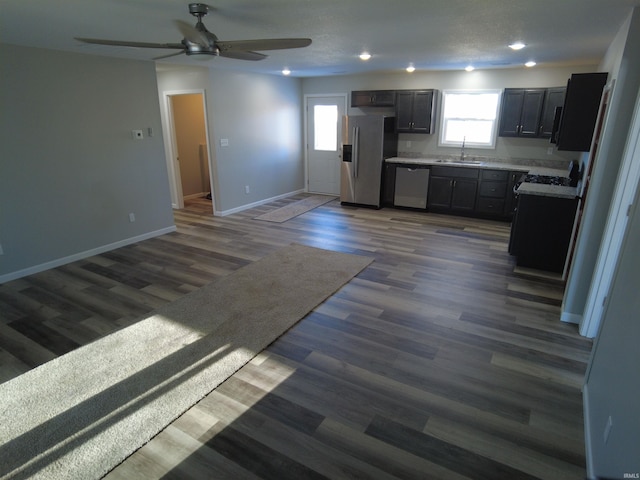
{"x": 623, "y": 59}
{"x": 507, "y": 148}
{"x": 70, "y": 171}
{"x": 612, "y": 382}
{"x": 261, "y": 117}
{"x": 612, "y": 387}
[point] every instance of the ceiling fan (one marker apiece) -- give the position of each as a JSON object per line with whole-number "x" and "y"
{"x": 200, "y": 41}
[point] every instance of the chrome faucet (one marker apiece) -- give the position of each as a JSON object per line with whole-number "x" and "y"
{"x": 462, "y": 149}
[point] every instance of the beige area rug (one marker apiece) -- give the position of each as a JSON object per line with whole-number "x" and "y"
{"x": 82, "y": 414}
{"x": 294, "y": 209}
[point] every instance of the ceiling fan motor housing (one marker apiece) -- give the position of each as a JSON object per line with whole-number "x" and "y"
{"x": 198, "y": 9}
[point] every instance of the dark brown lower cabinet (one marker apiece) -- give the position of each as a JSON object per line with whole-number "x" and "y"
{"x": 541, "y": 231}
{"x": 453, "y": 189}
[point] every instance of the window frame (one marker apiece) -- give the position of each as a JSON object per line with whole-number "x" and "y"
{"x": 494, "y": 129}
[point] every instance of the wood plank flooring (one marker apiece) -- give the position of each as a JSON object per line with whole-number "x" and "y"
{"x": 438, "y": 361}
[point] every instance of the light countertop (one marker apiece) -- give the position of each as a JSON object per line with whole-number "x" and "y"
{"x": 543, "y": 190}
{"x": 524, "y": 189}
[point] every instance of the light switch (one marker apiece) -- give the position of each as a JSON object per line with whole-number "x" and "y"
{"x": 224, "y": 142}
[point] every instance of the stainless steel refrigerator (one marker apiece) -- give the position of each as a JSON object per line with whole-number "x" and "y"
{"x": 367, "y": 140}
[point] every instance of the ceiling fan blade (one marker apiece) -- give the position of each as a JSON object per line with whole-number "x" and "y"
{"x": 117, "y": 43}
{"x": 168, "y": 55}
{"x": 263, "y": 44}
{"x": 191, "y": 33}
{"x": 243, "y": 55}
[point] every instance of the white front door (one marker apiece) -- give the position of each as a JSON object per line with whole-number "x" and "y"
{"x": 324, "y": 119}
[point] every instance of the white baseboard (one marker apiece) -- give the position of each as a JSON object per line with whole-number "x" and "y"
{"x": 222, "y": 213}
{"x": 7, "y": 277}
{"x": 571, "y": 317}
{"x": 195, "y": 195}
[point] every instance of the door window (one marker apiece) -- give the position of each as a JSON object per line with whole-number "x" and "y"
{"x": 325, "y": 121}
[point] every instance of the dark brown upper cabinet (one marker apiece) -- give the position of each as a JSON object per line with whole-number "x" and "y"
{"x": 415, "y": 111}
{"x": 373, "y": 98}
{"x": 521, "y": 112}
{"x": 580, "y": 111}
{"x": 553, "y": 99}
{"x": 529, "y": 112}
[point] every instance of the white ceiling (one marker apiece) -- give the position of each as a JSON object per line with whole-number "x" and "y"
{"x": 431, "y": 34}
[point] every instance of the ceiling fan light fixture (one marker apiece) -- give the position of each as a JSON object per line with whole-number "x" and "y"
{"x": 517, "y": 46}
{"x": 365, "y": 56}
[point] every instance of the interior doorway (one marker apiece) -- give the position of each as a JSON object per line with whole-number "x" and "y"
{"x": 191, "y": 174}
{"x": 323, "y": 129}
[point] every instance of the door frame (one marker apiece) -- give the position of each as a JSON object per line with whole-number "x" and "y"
{"x": 308, "y": 96}
{"x": 171, "y": 147}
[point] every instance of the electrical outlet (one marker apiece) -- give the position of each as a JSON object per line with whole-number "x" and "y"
{"x": 132, "y": 217}
{"x": 246, "y": 189}
{"x": 137, "y": 134}
{"x": 550, "y": 151}
{"x": 408, "y": 143}
{"x": 224, "y": 142}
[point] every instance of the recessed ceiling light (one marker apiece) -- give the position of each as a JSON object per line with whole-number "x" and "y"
{"x": 411, "y": 68}
{"x": 469, "y": 68}
{"x": 517, "y": 46}
{"x": 286, "y": 71}
{"x": 530, "y": 63}
{"x": 365, "y": 56}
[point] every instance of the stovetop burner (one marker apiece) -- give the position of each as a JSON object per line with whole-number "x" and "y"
{"x": 548, "y": 180}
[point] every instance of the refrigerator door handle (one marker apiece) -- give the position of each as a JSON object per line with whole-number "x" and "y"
{"x": 356, "y": 150}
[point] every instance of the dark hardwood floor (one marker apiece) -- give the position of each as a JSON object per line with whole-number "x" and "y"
{"x": 438, "y": 361}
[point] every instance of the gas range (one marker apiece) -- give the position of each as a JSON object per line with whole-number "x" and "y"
{"x": 547, "y": 180}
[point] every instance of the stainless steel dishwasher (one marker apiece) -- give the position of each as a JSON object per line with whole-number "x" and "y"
{"x": 412, "y": 185}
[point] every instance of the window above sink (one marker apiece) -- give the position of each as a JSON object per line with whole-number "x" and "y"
{"x": 469, "y": 118}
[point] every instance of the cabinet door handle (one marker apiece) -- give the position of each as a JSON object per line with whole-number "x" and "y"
{"x": 454, "y": 183}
